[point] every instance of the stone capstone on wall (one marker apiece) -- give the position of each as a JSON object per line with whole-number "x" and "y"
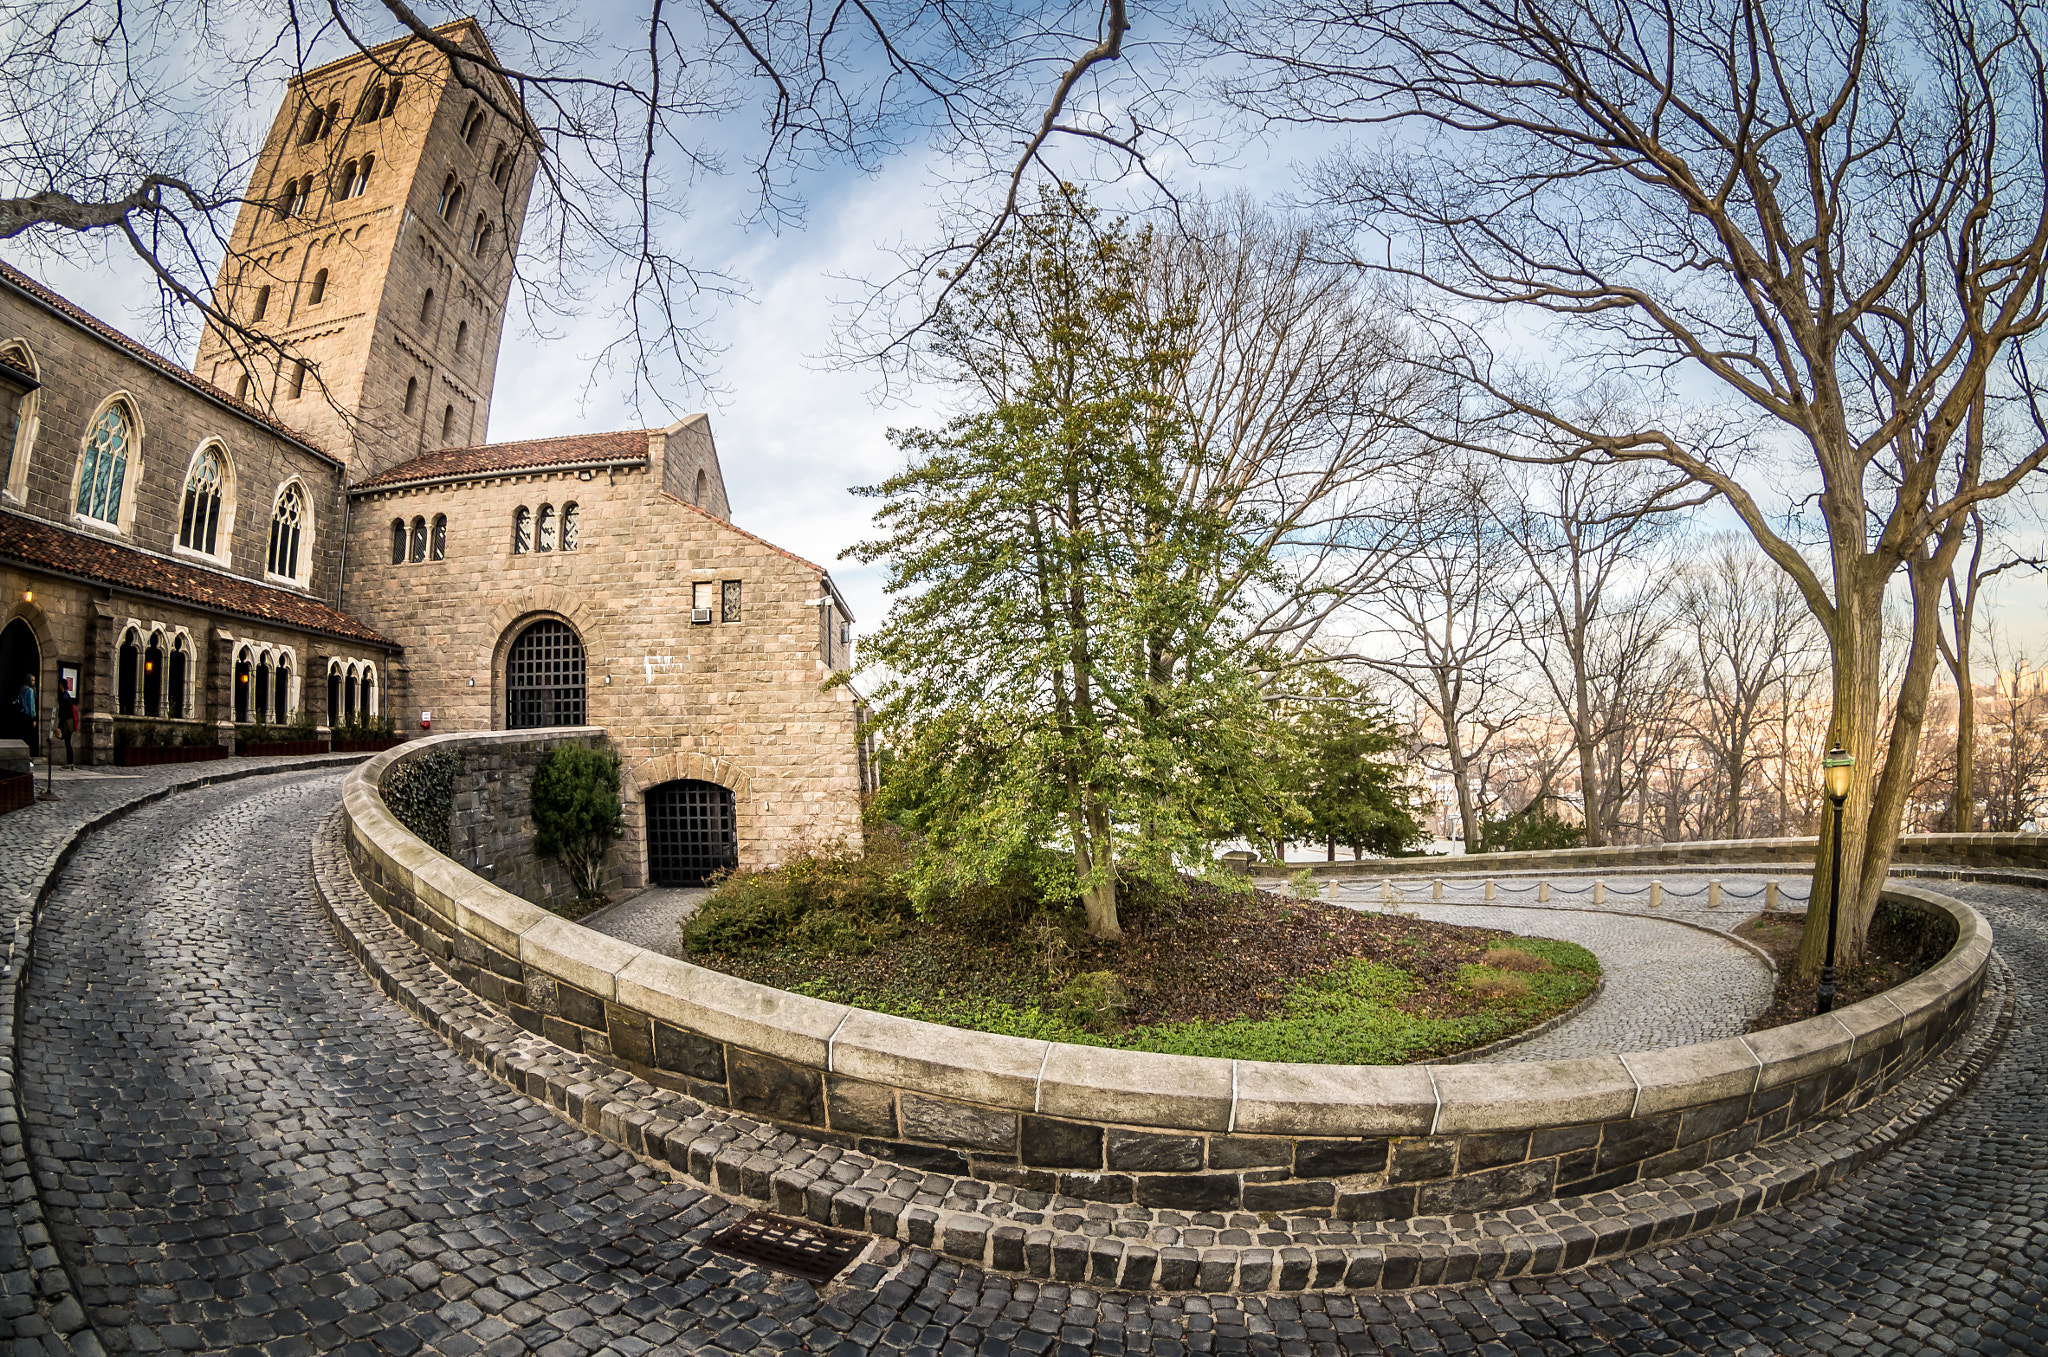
{"x": 1174, "y": 1132}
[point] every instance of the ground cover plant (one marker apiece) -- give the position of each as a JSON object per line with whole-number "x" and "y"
{"x": 1199, "y": 969}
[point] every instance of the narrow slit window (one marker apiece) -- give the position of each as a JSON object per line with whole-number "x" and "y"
{"x": 571, "y": 525}
{"x": 522, "y": 531}
{"x": 729, "y": 601}
{"x": 262, "y": 302}
{"x": 419, "y": 540}
{"x": 318, "y": 292}
{"x": 437, "y": 549}
{"x": 447, "y": 423}
{"x": 412, "y": 392}
{"x": 546, "y": 536}
{"x": 298, "y": 379}
{"x": 398, "y": 541}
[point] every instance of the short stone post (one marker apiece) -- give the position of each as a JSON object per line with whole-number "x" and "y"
{"x": 1656, "y": 895}
{"x": 1436, "y": 889}
{"x": 1599, "y": 892}
{"x": 1713, "y": 892}
{"x": 1386, "y": 890}
{"x": 1542, "y": 892}
{"x": 1489, "y": 888}
{"x": 1770, "y": 896}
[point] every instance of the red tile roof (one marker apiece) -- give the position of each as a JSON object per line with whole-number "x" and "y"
{"x": 77, "y": 315}
{"x": 491, "y": 459}
{"x": 32, "y": 542}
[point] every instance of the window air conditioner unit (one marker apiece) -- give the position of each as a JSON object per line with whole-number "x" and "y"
{"x": 700, "y": 615}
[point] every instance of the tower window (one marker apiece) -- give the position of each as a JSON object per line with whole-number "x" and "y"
{"x": 286, "y": 525}
{"x": 450, "y": 205}
{"x": 437, "y": 549}
{"x": 373, "y": 105}
{"x": 472, "y": 123}
{"x": 355, "y": 177}
{"x": 398, "y": 541}
{"x": 501, "y": 168}
{"x": 419, "y": 540}
{"x": 391, "y": 99}
{"x": 296, "y": 193}
{"x": 319, "y": 292}
{"x": 262, "y": 302}
{"x": 702, "y": 481}
{"x": 427, "y": 308}
{"x": 461, "y": 336}
{"x": 311, "y": 131}
{"x": 481, "y": 237}
{"x": 332, "y": 116}
{"x": 242, "y": 387}
{"x": 298, "y": 379}
{"x": 412, "y": 392}
{"x": 447, "y": 422}
{"x": 454, "y": 204}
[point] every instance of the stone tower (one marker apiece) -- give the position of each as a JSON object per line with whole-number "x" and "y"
{"x": 376, "y": 252}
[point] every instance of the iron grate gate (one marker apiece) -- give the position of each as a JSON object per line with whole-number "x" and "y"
{"x": 690, "y": 832}
{"x": 544, "y": 678}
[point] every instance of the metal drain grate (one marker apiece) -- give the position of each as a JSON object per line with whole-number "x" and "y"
{"x": 792, "y": 1246}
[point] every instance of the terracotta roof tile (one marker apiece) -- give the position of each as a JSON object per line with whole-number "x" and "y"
{"x": 493, "y": 458}
{"x": 78, "y": 315}
{"x": 33, "y": 542}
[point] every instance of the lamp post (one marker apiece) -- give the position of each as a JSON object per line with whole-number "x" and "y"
{"x": 1835, "y": 771}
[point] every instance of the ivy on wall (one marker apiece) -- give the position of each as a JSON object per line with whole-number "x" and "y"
{"x": 421, "y": 793}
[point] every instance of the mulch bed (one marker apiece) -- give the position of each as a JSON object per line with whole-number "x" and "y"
{"x": 1886, "y": 962}
{"x": 1208, "y": 957}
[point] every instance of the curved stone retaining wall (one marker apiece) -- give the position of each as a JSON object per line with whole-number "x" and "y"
{"x": 1174, "y": 1132}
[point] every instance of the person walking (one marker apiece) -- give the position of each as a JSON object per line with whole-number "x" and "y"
{"x": 26, "y": 701}
{"x": 67, "y": 722}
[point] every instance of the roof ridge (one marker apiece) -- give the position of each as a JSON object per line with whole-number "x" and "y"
{"x": 751, "y": 537}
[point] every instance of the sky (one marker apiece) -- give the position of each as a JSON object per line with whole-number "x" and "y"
{"x": 794, "y": 430}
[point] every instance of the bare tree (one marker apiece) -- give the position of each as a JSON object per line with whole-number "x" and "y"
{"x": 1954, "y": 627}
{"x": 1834, "y": 215}
{"x": 2016, "y": 753}
{"x": 1750, "y": 634}
{"x": 1442, "y": 622}
{"x": 136, "y": 123}
{"x": 1589, "y": 535}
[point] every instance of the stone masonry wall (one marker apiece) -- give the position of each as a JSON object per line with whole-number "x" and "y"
{"x": 740, "y": 703}
{"x": 491, "y": 829}
{"x": 1352, "y": 1143}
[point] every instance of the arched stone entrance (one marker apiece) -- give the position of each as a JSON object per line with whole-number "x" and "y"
{"x": 21, "y": 662}
{"x": 544, "y": 677}
{"x": 691, "y": 832}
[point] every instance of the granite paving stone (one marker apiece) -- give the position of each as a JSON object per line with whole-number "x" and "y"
{"x": 245, "y": 1147}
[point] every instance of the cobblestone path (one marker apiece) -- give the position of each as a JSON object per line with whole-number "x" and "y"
{"x": 247, "y": 1149}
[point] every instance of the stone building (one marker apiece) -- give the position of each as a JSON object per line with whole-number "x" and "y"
{"x": 308, "y": 526}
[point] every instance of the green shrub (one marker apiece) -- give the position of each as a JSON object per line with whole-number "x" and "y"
{"x": 194, "y": 736}
{"x": 576, "y": 812}
{"x": 832, "y": 900}
{"x": 421, "y": 793}
{"x": 1096, "y": 1001}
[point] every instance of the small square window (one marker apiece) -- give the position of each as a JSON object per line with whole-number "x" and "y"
{"x": 729, "y": 601}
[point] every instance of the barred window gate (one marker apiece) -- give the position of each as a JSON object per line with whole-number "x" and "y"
{"x": 690, "y": 832}
{"x": 544, "y": 678}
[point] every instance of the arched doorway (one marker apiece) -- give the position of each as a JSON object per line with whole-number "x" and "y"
{"x": 21, "y": 662}
{"x": 690, "y": 832}
{"x": 544, "y": 677}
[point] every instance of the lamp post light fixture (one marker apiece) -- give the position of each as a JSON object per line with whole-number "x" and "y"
{"x": 1835, "y": 772}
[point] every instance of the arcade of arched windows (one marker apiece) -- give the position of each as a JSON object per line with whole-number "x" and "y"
{"x": 353, "y": 697}
{"x": 156, "y": 671}
{"x": 544, "y": 530}
{"x": 266, "y": 679}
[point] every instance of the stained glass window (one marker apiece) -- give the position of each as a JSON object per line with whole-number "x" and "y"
{"x": 106, "y": 466}
{"x": 286, "y": 523}
{"x": 199, "y": 523}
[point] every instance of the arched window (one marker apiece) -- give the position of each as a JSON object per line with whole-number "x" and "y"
{"x": 427, "y": 308}
{"x": 437, "y": 550}
{"x": 295, "y": 194}
{"x": 570, "y": 515}
{"x": 318, "y": 292}
{"x": 18, "y": 434}
{"x": 522, "y": 531}
{"x": 334, "y": 712}
{"x": 261, "y": 702}
{"x": 412, "y": 391}
{"x": 391, "y": 99}
{"x": 501, "y": 168}
{"x": 450, "y": 205}
{"x": 242, "y": 387}
{"x": 447, "y": 423}
{"x": 355, "y": 177}
{"x": 287, "y": 525}
{"x": 419, "y": 540}
{"x": 176, "y": 677}
{"x": 702, "y": 481}
{"x": 243, "y": 672}
{"x": 103, "y": 466}
{"x": 330, "y": 118}
{"x": 262, "y": 301}
{"x": 369, "y": 691}
{"x": 461, "y": 336}
{"x": 349, "y": 696}
{"x": 398, "y": 541}
{"x": 283, "y": 695}
{"x": 372, "y": 106}
{"x": 127, "y": 663}
{"x": 453, "y": 212}
{"x": 298, "y": 386}
{"x": 199, "y": 519}
{"x": 481, "y": 236}
{"x": 545, "y": 538}
{"x": 472, "y": 123}
{"x": 544, "y": 677}
{"x": 311, "y": 131}
{"x": 153, "y": 675}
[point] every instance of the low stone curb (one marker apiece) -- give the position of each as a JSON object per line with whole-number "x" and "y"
{"x": 1657, "y": 915}
{"x": 1129, "y": 1248}
{"x": 61, "y": 1325}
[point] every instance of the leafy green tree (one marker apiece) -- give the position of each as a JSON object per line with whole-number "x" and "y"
{"x": 1054, "y": 674}
{"x": 1534, "y": 827}
{"x": 576, "y": 812}
{"x": 1350, "y": 791}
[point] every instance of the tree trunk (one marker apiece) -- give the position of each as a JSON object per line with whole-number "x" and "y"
{"x": 1966, "y": 742}
{"x": 1098, "y": 897}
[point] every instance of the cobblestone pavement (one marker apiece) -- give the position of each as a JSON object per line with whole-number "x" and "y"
{"x": 247, "y": 1149}
{"x": 1666, "y": 984}
{"x": 650, "y": 918}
